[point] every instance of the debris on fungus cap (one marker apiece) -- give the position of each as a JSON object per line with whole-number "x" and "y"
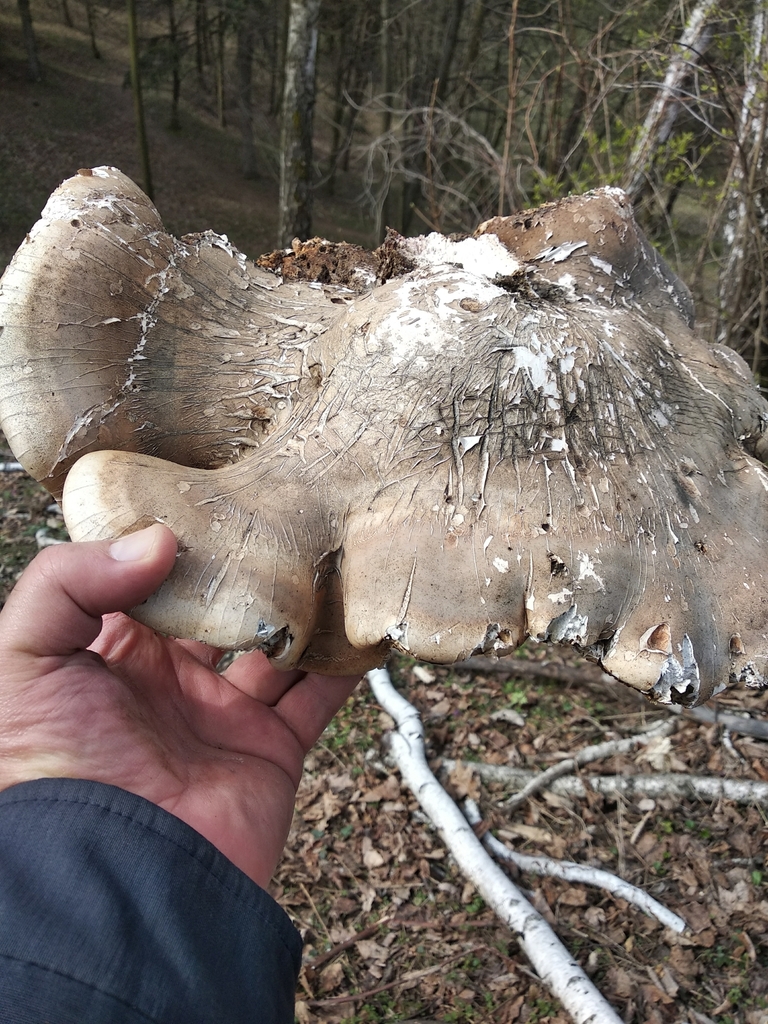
{"x": 442, "y": 447}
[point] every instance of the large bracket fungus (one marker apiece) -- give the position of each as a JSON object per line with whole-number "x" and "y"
{"x": 442, "y": 447}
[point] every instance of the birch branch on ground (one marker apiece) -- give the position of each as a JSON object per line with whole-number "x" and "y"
{"x": 598, "y": 752}
{"x": 552, "y": 962}
{"x": 580, "y": 873}
{"x": 675, "y": 784}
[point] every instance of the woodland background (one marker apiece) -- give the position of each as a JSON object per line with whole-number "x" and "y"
{"x": 417, "y": 114}
{"x": 422, "y": 115}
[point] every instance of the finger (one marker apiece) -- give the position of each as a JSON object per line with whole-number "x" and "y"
{"x": 311, "y": 703}
{"x": 56, "y": 607}
{"x": 254, "y": 675}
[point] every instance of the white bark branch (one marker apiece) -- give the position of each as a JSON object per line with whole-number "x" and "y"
{"x": 676, "y": 784}
{"x": 552, "y": 962}
{"x": 660, "y": 118}
{"x": 580, "y": 873}
{"x": 597, "y": 752}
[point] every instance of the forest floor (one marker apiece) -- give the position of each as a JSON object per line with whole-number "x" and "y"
{"x": 401, "y": 935}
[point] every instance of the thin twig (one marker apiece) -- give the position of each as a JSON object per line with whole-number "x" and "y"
{"x": 597, "y": 752}
{"x": 525, "y": 668}
{"x": 550, "y": 868}
{"x": 330, "y": 954}
{"x": 410, "y": 976}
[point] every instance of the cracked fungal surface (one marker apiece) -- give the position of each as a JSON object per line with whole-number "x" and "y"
{"x": 445, "y": 449}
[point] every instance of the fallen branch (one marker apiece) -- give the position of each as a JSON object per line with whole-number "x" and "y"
{"x": 331, "y": 954}
{"x": 11, "y": 467}
{"x": 677, "y": 784}
{"x": 361, "y": 997}
{"x": 586, "y": 673}
{"x": 528, "y": 668}
{"x": 552, "y": 962}
{"x": 580, "y": 873}
{"x": 733, "y": 723}
{"x": 597, "y": 752}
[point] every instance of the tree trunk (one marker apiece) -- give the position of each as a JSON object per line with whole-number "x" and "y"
{"x": 744, "y": 277}
{"x": 66, "y": 15}
{"x": 90, "y": 14}
{"x": 664, "y": 110}
{"x": 506, "y": 188}
{"x": 201, "y": 37}
{"x": 296, "y": 131}
{"x": 173, "y": 33}
{"x": 220, "y": 33}
{"x": 138, "y": 103}
{"x": 449, "y": 47}
{"x": 386, "y": 213}
{"x": 29, "y": 41}
{"x": 277, "y": 64}
{"x": 246, "y": 39}
{"x": 477, "y": 20}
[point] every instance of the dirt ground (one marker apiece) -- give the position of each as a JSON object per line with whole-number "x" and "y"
{"x": 392, "y": 931}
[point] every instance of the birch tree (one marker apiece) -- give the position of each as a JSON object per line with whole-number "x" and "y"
{"x": 744, "y": 275}
{"x": 661, "y": 116}
{"x": 295, "y": 213}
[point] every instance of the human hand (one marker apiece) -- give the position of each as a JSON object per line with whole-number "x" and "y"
{"x": 87, "y": 693}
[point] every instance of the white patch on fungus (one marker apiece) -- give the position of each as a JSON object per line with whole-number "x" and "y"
{"x": 587, "y": 569}
{"x": 603, "y": 265}
{"x": 500, "y": 565}
{"x": 558, "y": 253}
{"x": 467, "y": 443}
{"x": 484, "y": 256}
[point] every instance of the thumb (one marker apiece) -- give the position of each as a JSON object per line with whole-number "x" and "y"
{"x": 56, "y": 607}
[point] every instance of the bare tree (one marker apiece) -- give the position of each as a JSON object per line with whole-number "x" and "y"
{"x": 90, "y": 14}
{"x": 173, "y": 39}
{"x": 662, "y": 113}
{"x": 744, "y": 275}
{"x": 246, "y": 40}
{"x": 29, "y": 41}
{"x": 138, "y": 103}
{"x": 295, "y": 214}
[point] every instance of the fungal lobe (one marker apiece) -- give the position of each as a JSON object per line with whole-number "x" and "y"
{"x": 366, "y": 451}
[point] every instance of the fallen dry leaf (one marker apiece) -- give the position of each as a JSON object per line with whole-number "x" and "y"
{"x": 331, "y": 977}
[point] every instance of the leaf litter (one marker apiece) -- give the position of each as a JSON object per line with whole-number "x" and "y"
{"x": 377, "y": 859}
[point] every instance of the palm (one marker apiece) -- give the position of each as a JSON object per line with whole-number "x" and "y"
{"x": 151, "y": 715}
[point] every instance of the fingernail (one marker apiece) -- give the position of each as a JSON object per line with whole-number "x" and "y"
{"x": 134, "y": 546}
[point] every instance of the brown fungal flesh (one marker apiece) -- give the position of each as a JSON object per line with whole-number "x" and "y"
{"x": 443, "y": 447}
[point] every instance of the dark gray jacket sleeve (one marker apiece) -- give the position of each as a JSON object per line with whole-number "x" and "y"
{"x": 113, "y": 911}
